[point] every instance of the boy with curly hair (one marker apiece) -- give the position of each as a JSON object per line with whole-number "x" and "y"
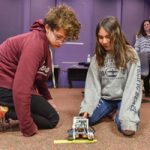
{"x": 25, "y": 65}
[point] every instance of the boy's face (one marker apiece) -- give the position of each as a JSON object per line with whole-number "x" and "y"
{"x": 56, "y": 37}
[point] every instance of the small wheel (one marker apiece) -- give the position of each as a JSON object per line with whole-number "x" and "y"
{"x": 90, "y": 136}
{"x": 70, "y": 137}
{"x": 70, "y": 134}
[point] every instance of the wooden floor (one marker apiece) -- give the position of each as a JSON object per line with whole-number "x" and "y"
{"x": 68, "y": 102}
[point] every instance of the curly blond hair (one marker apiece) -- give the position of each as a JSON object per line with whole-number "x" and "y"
{"x": 62, "y": 16}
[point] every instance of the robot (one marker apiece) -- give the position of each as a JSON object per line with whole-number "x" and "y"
{"x": 80, "y": 129}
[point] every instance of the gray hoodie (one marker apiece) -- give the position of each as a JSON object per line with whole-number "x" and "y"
{"x": 109, "y": 83}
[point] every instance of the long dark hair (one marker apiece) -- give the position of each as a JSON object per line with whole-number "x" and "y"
{"x": 142, "y": 31}
{"x": 120, "y": 45}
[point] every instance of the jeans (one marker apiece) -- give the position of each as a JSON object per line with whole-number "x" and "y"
{"x": 43, "y": 114}
{"x": 104, "y": 108}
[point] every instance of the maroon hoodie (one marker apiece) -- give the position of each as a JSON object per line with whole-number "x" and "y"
{"x": 25, "y": 64}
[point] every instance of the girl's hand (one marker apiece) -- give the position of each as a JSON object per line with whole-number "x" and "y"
{"x": 85, "y": 115}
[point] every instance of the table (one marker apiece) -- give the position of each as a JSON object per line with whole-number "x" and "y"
{"x": 76, "y": 74}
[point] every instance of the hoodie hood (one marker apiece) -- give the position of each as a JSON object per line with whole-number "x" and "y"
{"x": 38, "y": 25}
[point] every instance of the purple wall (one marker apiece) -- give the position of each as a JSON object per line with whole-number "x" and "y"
{"x": 76, "y": 52}
{"x": 103, "y": 8}
{"x": 11, "y": 22}
{"x": 133, "y": 14}
{"x": 90, "y": 12}
{"x": 35, "y": 9}
{"x": 21, "y": 14}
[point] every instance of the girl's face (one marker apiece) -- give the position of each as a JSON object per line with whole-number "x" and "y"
{"x": 104, "y": 39}
{"x": 147, "y": 26}
{"x": 56, "y": 37}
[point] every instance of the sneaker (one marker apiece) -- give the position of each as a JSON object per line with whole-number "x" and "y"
{"x": 8, "y": 119}
{"x": 3, "y": 111}
{"x": 10, "y": 114}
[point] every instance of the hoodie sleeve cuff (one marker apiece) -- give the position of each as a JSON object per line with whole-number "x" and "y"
{"x": 30, "y": 132}
{"x": 126, "y": 125}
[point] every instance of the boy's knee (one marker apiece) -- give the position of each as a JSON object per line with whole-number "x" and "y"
{"x": 55, "y": 120}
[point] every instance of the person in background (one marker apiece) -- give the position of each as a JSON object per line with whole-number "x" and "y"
{"x": 25, "y": 65}
{"x": 113, "y": 82}
{"x": 142, "y": 44}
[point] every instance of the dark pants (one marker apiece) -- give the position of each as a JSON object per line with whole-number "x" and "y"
{"x": 146, "y": 82}
{"x": 43, "y": 114}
